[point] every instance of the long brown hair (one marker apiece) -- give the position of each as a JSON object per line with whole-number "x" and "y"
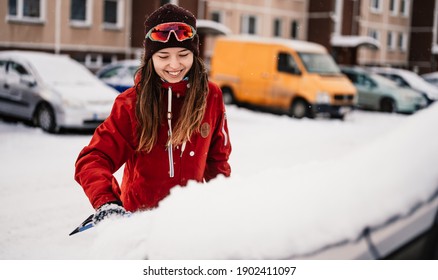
{"x": 149, "y": 106}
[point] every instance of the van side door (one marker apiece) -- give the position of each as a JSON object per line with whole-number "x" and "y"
{"x": 254, "y": 71}
{"x": 286, "y": 80}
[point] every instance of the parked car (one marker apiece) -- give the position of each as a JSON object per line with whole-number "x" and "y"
{"x": 378, "y": 93}
{"x": 119, "y": 75}
{"x": 52, "y": 91}
{"x": 409, "y": 79}
{"x": 291, "y": 76}
{"x": 431, "y": 78}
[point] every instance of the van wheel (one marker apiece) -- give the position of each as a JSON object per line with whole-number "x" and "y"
{"x": 299, "y": 109}
{"x": 228, "y": 96}
{"x": 387, "y": 105}
{"x": 45, "y": 118}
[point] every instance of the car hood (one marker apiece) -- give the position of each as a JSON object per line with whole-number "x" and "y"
{"x": 400, "y": 90}
{"x": 88, "y": 92}
{"x": 430, "y": 90}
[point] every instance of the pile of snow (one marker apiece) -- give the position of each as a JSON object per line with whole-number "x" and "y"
{"x": 285, "y": 212}
{"x": 296, "y": 187}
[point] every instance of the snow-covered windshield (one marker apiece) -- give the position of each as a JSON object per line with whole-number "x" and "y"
{"x": 384, "y": 81}
{"x": 319, "y": 63}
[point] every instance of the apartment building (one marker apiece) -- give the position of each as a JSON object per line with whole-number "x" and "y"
{"x": 388, "y": 22}
{"x": 92, "y": 32}
{"x": 266, "y": 18}
{"x": 364, "y": 32}
{"x": 398, "y": 33}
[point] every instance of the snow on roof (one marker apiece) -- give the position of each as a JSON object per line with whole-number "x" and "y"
{"x": 297, "y": 45}
{"x": 354, "y": 41}
{"x": 212, "y": 27}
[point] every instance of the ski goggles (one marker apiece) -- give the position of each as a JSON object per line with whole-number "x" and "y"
{"x": 161, "y": 32}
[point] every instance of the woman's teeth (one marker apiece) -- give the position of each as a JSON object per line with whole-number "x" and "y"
{"x": 174, "y": 73}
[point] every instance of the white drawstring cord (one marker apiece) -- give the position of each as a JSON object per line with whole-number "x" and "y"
{"x": 183, "y": 147}
{"x": 169, "y": 142}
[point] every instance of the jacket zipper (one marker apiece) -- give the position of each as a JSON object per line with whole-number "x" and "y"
{"x": 169, "y": 142}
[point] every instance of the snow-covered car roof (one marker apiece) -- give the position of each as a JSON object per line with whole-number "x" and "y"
{"x": 414, "y": 80}
{"x": 298, "y": 45}
{"x": 52, "y": 68}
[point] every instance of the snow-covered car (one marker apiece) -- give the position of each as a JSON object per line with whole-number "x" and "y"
{"x": 52, "y": 91}
{"x": 431, "y": 78}
{"x": 120, "y": 74}
{"x": 379, "y": 200}
{"x": 406, "y": 78}
{"x": 378, "y": 93}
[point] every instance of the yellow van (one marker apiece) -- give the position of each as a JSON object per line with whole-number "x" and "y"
{"x": 296, "y": 77}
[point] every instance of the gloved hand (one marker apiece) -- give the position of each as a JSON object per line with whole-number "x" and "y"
{"x": 111, "y": 209}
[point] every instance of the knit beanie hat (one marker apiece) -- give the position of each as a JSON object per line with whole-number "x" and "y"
{"x": 170, "y": 13}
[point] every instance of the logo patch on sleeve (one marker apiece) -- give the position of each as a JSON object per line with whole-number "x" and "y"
{"x": 205, "y": 130}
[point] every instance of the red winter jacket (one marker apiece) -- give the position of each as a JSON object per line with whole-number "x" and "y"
{"x": 146, "y": 178}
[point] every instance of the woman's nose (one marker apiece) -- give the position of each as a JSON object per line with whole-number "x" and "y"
{"x": 174, "y": 61}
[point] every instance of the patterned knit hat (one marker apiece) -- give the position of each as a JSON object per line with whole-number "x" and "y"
{"x": 170, "y": 13}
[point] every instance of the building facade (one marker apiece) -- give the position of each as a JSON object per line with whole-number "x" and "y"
{"x": 397, "y": 33}
{"x": 92, "y": 32}
{"x": 266, "y": 18}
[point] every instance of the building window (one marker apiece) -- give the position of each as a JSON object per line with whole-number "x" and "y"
{"x": 112, "y": 14}
{"x": 248, "y": 25}
{"x": 402, "y": 41}
{"x": 393, "y": 7}
{"x": 404, "y": 7}
{"x": 80, "y": 12}
{"x": 26, "y": 10}
{"x": 374, "y": 34}
{"x": 294, "y": 29}
{"x": 390, "y": 40}
{"x": 376, "y": 6}
{"x": 277, "y": 27}
{"x": 216, "y": 16}
{"x": 93, "y": 61}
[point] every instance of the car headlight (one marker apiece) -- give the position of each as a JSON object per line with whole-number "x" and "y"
{"x": 73, "y": 103}
{"x": 322, "y": 97}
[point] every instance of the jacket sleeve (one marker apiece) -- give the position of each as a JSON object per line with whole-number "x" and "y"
{"x": 111, "y": 145}
{"x": 220, "y": 147}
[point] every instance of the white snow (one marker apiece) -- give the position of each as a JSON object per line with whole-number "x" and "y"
{"x": 296, "y": 186}
{"x": 353, "y": 41}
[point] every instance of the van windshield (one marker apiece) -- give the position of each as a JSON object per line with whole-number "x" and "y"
{"x": 319, "y": 63}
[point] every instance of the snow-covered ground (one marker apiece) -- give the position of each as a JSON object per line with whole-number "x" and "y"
{"x": 296, "y": 186}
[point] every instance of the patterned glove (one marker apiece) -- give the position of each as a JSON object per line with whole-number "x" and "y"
{"x": 111, "y": 209}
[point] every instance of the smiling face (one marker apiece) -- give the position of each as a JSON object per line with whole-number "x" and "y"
{"x": 172, "y": 64}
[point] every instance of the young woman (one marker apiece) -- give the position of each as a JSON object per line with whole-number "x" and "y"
{"x": 168, "y": 129}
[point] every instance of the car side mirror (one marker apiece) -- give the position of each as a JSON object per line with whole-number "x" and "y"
{"x": 28, "y": 80}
